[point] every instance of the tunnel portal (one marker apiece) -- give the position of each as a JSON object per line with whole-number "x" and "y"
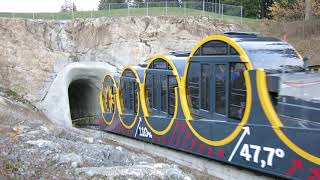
{"x": 74, "y": 93}
{"x": 84, "y": 102}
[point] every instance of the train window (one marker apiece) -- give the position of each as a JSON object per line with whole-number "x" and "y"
{"x": 198, "y": 89}
{"x": 129, "y": 93}
{"x": 220, "y": 84}
{"x": 205, "y": 86}
{"x": 151, "y": 89}
{"x": 237, "y": 91}
{"x": 122, "y": 94}
{"x": 197, "y": 53}
{"x": 164, "y": 95}
{"x": 215, "y": 48}
{"x": 130, "y": 98}
{"x": 136, "y": 91}
{"x": 128, "y": 73}
{"x": 160, "y": 87}
{"x": 160, "y": 64}
{"x": 172, "y": 98}
{"x": 154, "y": 93}
{"x": 233, "y": 51}
{"x": 148, "y": 91}
{"x": 193, "y": 86}
{"x": 126, "y": 94}
{"x": 214, "y": 89}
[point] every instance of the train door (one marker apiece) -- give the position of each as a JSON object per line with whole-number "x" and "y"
{"x": 129, "y": 89}
{"x": 215, "y": 83}
{"x": 128, "y": 98}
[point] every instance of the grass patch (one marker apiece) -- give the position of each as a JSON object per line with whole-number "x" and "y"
{"x": 151, "y": 11}
{"x": 10, "y": 166}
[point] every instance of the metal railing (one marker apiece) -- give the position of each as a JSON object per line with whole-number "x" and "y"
{"x": 165, "y": 8}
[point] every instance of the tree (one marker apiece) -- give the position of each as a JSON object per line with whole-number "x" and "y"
{"x": 253, "y": 8}
{"x": 295, "y": 9}
{"x": 68, "y": 6}
{"x": 104, "y": 4}
{"x": 265, "y": 8}
{"x": 287, "y": 10}
{"x": 307, "y": 12}
{"x": 316, "y": 8}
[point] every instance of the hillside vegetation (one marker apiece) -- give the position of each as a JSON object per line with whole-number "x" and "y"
{"x": 151, "y": 11}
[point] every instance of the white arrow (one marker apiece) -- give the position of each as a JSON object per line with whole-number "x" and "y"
{"x": 135, "y": 134}
{"x": 246, "y": 131}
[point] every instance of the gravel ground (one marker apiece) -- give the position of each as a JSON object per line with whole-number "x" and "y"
{"x": 31, "y": 147}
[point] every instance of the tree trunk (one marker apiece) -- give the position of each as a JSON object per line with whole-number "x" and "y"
{"x": 308, "y": 12}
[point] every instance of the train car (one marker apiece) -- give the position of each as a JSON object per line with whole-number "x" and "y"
{"x": 237, "y": 98}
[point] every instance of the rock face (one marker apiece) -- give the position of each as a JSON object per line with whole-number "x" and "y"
{"x": 32, "y": 52}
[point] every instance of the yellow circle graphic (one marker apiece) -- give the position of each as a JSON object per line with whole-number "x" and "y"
{"x": 183, "y": 95}
{"x": 274, "y": 119}
{"x": 107, "y": 100}
{"x": 143, "y": 96}
{"x": 138, "y": 98}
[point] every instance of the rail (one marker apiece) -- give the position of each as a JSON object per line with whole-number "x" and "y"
{"x": 88, "y": 120}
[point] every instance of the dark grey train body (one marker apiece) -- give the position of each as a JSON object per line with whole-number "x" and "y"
{"x": 236, "y": 98}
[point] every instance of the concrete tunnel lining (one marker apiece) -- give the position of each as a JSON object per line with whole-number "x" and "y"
{"x": 56, "y": 103}
{"x": 83, "y": 99}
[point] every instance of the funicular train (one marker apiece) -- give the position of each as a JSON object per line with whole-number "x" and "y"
{"x": 237, "y": 98}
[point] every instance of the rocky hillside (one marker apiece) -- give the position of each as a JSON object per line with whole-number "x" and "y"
{"x": 32, "y": 51}
{"x": 31, "y": 147}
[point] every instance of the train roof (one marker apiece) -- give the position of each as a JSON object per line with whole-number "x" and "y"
{"x": 137, "y": 71}
{"x": 180, "y": 53}
{"x": 266, "y": 52}
{"x": 116, "y": 77}
{"x": 140, "y": 71}
{"x": 179, "y": 62}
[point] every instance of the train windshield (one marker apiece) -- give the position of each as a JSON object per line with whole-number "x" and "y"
{"x": 299, "y": 100}
{"x": 272, "y": 55}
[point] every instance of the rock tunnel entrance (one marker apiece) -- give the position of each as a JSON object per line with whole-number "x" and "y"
{"x": 84, "y": 102}
{"x": 73, "y": 96}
